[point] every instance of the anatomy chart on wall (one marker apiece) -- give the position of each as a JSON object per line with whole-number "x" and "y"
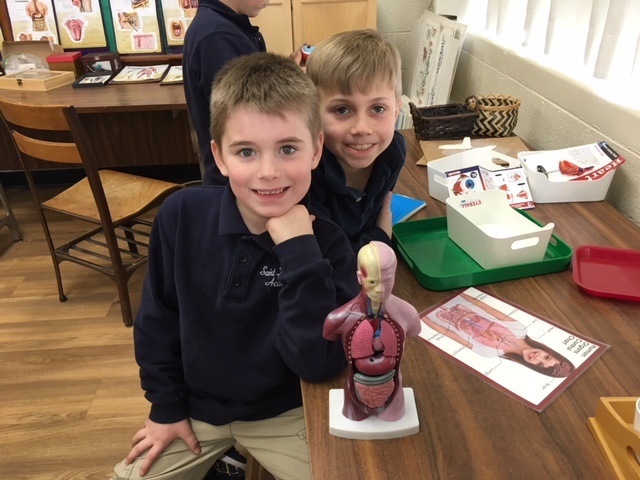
{"x": 177, "y": 17}
{"x": 32, "y": 20}
{"x": 80, "y": 24}
{"x": 136, "y": 26}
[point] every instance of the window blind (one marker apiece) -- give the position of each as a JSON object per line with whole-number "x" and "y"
{"x": 597, "y": 39}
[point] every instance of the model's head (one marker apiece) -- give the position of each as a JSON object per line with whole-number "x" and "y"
{"x": 358, "y": 76}
{"x": 355, "y": 61}
{"x": 266, "y": 134}
{"x": 376, "y": 270}
{"x": 542, "y": 359}
{"x": 268, "y": 83}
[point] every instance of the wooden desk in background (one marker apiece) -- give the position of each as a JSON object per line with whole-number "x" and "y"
{"x": 468, "y": 429}
{"x": 133, "y": 125}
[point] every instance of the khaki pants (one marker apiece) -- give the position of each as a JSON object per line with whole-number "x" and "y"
{"x": 278, "y": 443}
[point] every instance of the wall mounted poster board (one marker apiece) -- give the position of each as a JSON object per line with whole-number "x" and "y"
{"x": 80, "y": 24}
{"x": 32, "y": 20}
{"x": 136, "y": 26}
{"x": 177, "y": 16}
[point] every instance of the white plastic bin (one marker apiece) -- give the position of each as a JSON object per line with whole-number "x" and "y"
{"x": 492, "y": 233}
{"x": 545, "y": 191}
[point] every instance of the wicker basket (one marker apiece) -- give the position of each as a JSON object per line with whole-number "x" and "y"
{"x": 497, "y": 114}
{"x": 453, "y": 120}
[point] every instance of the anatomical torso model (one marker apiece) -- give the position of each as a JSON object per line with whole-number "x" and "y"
{"x": 372, "y": 328}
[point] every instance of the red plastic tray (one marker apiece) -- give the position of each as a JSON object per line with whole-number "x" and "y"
{"x": 607, "y": 272}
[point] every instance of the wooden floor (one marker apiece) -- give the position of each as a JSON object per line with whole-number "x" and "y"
{"x": 70, "y": 398}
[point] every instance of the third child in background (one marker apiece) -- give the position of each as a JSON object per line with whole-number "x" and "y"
{"x": 358, "y": 75}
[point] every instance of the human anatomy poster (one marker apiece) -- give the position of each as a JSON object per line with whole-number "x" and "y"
{"x": 32, "y": 20}
{"x": 177, "y": 17}
{"x": 530, "y": 358}
{"x": 80, "y": 24}
{"x": 136, "y": 26}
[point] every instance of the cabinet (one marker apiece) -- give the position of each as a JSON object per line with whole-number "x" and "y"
{"x": 288, "y": 24}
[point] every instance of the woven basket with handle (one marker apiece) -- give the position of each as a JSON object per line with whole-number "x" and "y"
{"x": 497, "y": 114}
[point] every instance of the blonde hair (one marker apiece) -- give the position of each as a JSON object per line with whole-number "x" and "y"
{"x": 353, "y": 60}
{"x": 270, "y": 83}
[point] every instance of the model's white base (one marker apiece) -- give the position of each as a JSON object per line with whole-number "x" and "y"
{"x": 372, "y": 428}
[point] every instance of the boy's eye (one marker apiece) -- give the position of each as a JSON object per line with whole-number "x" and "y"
{"x": 379, "y": 109}
{"x": 288, "y": 150}
{"x": 246, "y": 152}
{"x": 341, "y": 110}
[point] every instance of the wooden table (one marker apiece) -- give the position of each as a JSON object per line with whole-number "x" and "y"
{"x": 470, "y": 430}
{"x": 133, "y": 125}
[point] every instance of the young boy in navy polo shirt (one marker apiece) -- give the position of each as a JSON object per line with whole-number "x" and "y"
{"x": 239, "y": 282}
{"x": 358, "y": 74}
{"x": 220, "y": 31}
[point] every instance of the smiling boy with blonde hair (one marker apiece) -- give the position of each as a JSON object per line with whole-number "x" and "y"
{"x": 358, "y": 75}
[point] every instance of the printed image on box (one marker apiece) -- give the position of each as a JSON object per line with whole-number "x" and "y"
{"x": 512, "y": 181}
{"x": 465, "y": 180}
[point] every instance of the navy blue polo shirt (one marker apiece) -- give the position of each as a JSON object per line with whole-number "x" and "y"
{"x": 216, "y": 35}
{"x": 228, "y": 322}
{"x": 355, "y": 211}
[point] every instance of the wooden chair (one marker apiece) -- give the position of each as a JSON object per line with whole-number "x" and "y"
{"x": 111, "y": 201}
{"x": 9, "y": 220}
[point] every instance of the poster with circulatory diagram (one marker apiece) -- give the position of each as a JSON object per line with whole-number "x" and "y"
{"x": 528, "y": 357}
{"x": 32, "y": 20}
{"x": 80, "y": 24}
{"x": 136, "y": 28}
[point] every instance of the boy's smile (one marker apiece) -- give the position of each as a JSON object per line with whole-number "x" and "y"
{"x": 268, "y": 159}
{"x": 360, "y": 126}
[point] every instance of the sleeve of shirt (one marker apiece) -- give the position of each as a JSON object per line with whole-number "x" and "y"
{"x": 314, "y": 285}
{"x": 156, "y": 329}
{"x": 217, "y": 49}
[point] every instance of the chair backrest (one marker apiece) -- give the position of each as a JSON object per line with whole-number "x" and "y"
{"x": 32, "y": 119}
{"x": 53, "y": 133}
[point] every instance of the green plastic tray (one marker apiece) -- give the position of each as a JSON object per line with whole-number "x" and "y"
{"x": 439, "y": 264}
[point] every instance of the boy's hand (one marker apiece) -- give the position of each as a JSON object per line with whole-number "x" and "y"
{"x": 385, "y": 218}
{"x": 294, "y": 223}
{"x": 155, "y": 437}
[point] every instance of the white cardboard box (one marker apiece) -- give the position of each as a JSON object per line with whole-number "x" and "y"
{"x": 484, "y": 225}
{"x": 483, "y": 158}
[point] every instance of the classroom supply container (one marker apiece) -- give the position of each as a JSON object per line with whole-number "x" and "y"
{"x": 440, "y": 122}
{"x": 485, "y": 226}
{"x": 485, "y": 157}
{"x": 439, "y": 264}
{"x": 546, "y": 191}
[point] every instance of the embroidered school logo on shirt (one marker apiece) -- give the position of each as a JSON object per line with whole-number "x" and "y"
{"x": 273, "y": 275}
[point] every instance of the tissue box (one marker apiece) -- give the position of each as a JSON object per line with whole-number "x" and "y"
{"x": 492, "y": 232}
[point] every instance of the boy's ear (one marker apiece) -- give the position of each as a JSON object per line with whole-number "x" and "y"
{"x": 217, "y": 156}
{"x": 398, "y": 106}
{"x": 317, "y": 151}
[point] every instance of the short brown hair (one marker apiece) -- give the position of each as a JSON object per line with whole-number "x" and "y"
{"x": 352, "y": 60}
{"x": 270, "y": 83}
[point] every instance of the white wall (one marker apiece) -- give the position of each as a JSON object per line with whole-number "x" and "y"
{"x": 555, "y": 112}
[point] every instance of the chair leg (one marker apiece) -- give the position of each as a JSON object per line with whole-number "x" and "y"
{"x": 10, "y": 219}
{"x": 125, "y": 303}
{"x": 129, "y": 236}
